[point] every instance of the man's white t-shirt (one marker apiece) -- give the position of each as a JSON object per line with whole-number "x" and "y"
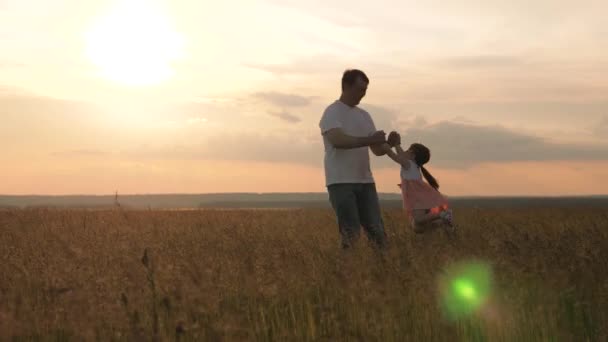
{"x": 347, "y": 165}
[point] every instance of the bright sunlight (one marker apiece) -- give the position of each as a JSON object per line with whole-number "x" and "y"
{"x": 134, "y": 44}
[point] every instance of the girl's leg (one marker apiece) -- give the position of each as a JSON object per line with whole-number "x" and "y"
{"x": 423, "y": 220}
{"x": 424, "y": 216}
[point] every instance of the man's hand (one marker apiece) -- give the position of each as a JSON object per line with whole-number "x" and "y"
{"x": 379, "y": 137}
{"x": 394, "y": 139}
{"x": 377, "y": 143}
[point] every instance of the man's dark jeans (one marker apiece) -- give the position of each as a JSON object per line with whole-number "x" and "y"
{"x": 356, "y": 205}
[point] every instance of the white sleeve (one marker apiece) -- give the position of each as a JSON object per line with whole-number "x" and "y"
{"x": 329, "y": 120}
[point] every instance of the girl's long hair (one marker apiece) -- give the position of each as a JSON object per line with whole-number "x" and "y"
{"x": 423, "y": 155}
{"x": 429, "y": 178}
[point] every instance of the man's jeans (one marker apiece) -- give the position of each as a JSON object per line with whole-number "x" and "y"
{"x": 356, "y": 205}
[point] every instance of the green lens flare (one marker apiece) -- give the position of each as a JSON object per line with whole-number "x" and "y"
{"x": 465, "y": 288}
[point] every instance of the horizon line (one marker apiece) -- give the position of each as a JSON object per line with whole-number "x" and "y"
{"x": 286, "y": 193}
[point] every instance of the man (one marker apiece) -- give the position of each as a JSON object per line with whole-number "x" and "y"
{"x": 347, "y": 132}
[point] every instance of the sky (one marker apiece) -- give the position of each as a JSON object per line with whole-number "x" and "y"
{"x": 188, "y": 96}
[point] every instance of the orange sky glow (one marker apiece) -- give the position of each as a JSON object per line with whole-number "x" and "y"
{"x": 194, "y": 97}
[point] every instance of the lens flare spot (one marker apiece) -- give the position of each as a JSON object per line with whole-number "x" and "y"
{"x": 464, "y": 288}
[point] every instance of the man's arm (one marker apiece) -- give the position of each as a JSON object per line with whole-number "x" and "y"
{"x": 380, "y": 149}
{"x": 343, "y": 141}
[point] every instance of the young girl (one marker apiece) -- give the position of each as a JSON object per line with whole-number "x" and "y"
{"x": 424, "y": 204}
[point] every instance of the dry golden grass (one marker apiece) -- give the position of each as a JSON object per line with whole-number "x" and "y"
{"x": 280, "y": 275}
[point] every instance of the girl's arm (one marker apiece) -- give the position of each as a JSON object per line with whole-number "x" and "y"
{"x": 404, "y": 157}
{"x": 401, "y": 157}
{"x": 393, "y": 156}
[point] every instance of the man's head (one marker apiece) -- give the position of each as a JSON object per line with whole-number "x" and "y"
{"x": 354, "y": 86}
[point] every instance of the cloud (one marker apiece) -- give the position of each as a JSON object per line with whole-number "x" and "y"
{"x": 241, "y": 146}
{"x": 196, "y": 120}
{"x": 29, "y": 118}
{"x": 331, "y": 66}
{"x": 79, "y": 153}
{"x": 321, "y": 64}
{"x": 25, "y": 103}
{"x": 404, "y": 122}
{"x": 482, "y": 61}
{"x": 284, "y": 100}
{"x": 454, "y": 145}
{"x": 285, "y": 116}
{"x": 392, "y": 12}
{"x": 325, "y": 42}
{"x": 6, "y": 91}
{"x": 208, "y": 110}
{"x": 11, "y": 64}
{"x": 457, "y": 144}
{"x": 384, "y": 118}
{"x": 601, "y": 128}
{"x": 363, "y": 16}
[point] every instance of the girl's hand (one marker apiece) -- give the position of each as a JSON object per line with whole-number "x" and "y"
{"x": 394, "y": 139}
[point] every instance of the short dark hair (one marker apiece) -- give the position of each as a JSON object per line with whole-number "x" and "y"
{"x": 350, "y": 77}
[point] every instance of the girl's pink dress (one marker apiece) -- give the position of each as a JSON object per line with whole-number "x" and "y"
{"x": 418, "y": 194}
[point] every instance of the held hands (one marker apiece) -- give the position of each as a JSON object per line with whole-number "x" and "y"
{"x": 394, "y": 139}
{"x": 378, "y": 137}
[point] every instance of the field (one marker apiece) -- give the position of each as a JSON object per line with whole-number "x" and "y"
{"x": 129, "y": 275}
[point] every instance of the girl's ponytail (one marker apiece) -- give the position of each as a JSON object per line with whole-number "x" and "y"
{"x": 429, "y": 178}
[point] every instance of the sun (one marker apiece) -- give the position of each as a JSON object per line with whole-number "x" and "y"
{"x": 134, "y": 43}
